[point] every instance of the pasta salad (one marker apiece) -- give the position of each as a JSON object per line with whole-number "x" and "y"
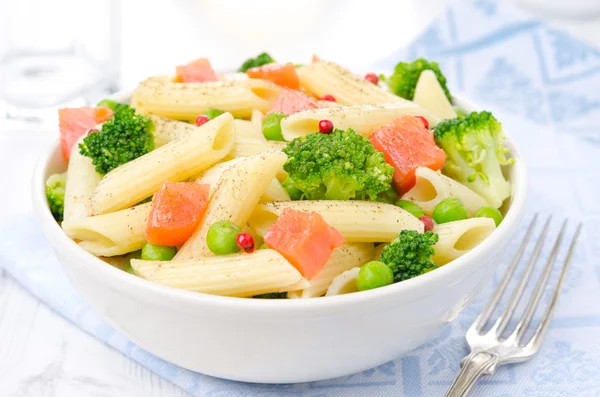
{"x": 281, "y": 180}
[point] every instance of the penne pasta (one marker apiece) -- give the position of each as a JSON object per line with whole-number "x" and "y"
{"x": 324, "y": 77}
{"x": 235, "y": 197}
{"x": 176, "y": 161}
{"x": 343, "y": 258}
{"x": 248, "y": 129}
{"x": 167, "y": 130}
{"x": 329, "y": 104}
{"x": 240, "y": 275}
{"x": 357, "y": 221}
{"x": 256, "y": 119}
{"x": 111, "y": 234}
{"x": 82, "y": 180}
{"x": 459, "y": 237}
{"x": 430, "y": 95}
{"x": 246, "y": 147}
{"x": 185, "y": 101}
{"x": 274, "y": 192}
{"x": 345, "y": 283}
{"x": 364, "y": 119}
{"x": 431, "y": 187}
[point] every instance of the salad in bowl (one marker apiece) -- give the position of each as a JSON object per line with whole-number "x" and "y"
{"x": 280, "y": 183}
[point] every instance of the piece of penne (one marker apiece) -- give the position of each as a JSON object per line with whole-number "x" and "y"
{"x": 345, "y": 283}
{"x": 431, "y": 187}
{"x": 241, "y": 275}
{"x": 324, "y": 77}
{"x": 248, "y": 129}
{"x": 357, "y": 221}
{"x": 257, "y": 119}
{"x": 329, "y": 104}
{"x": 82, "y": 180}
{"x": 364, "y": 119}
{"x": 459, "y": 237}
{"x": 238, "y": 192}
{"x": 111, "y": 234}
{"x": 430, "y": 95}
{"x": 246, "y": 147}
{"x": 342, "y": 259}
{"x": 176, "y": 161}
{"x": 185, "y": 101}
{"x": 274, "y": 192}
{"x": 167, "y": 130}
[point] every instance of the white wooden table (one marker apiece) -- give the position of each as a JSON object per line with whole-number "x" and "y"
{"x": 41, "y": 354}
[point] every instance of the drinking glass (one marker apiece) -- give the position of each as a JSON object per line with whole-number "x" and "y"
{"x": 56, "y": 53}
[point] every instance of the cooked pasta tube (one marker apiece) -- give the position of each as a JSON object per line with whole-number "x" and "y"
{"x": 246, "y": 147}
{"x": 345, "y": 283}
{"x": 248, "y": 129}
{"x": 430, "y": 95}
{"x": 184, "y": 101}
{"x": 111, "y": 234}
{"x": 240, "y": 275}
{"x": 431, "y": 187}
{"x": 357, "y": 221}
{"x": 324, "y": 77}
{"x": 459, "y": 237}
{"x": 167, "y": 130}
{"x": 364, "y": 119}
{"x": 176, "y": 161}
{"x": 329, "y": 104}
{"x": 342, "y": 258}
{"x": 82, "y": 180}
{"x": 235, "y": 197}
{"x": 256, "y": 119}
{"x": 274, "y": 192}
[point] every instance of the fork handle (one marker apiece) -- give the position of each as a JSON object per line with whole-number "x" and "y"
{"x": 472, "y": 367}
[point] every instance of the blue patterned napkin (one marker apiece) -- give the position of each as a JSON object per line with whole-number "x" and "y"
{"x": 545, "y": 88}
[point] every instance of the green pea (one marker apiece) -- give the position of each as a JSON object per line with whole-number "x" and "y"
{"x": 271, "y": 126}
{"x": 288, "y": 185}
{"x": 490, "y": 212}
{"x": 264, "y": 246}
{"x": 449, "y": 209}
{"x": 109, "y": 103}
{"x": 374, "y": 274}
{"x": 411, "y": 207}
{"x": 132, "y": 255}
{"x": 213, "y": 113}
{"x": 221, "y": 238}
{"x": 152, "y": 252}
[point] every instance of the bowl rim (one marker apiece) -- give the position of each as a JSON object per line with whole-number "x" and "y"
{"x": 60, "y": 241}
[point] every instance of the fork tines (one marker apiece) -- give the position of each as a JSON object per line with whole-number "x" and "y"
{"x": 502, "y": 322}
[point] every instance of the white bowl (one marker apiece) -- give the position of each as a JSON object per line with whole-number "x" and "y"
{"x": 279, "y": 341}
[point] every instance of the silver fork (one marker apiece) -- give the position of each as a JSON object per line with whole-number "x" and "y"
{"x": 489, "y": 350}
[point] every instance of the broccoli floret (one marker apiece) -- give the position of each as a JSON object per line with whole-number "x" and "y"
{"x": 272, "y": 295}
{"x": 406, "y": 74}
{"x": 261, "y": 59}
{"x": 341, "y": 165}
{"x": 124, "y": 137}
{"x": 409, "y": 255}
{"x": 475, "y": 152}
{"x": 55, "y": 194}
